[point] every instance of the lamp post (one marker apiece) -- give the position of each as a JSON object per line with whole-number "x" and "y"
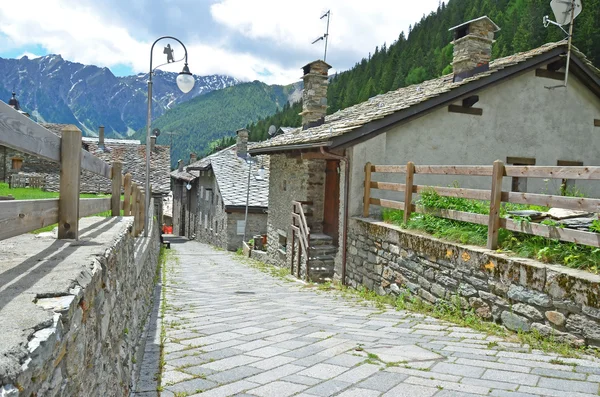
{"x": 185, "y": 82}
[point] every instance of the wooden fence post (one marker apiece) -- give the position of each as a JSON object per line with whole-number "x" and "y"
{"x": 70, "y": 174}
{"x": 143, "y": 210}
{"x": 127, "y": 195}
{"x": 367, "y": 195}
{"x": 410, "y": 172}
{"x": 495, "y": 203}
{"x": 115, "y": 200}
{"x": 134, "y": 207}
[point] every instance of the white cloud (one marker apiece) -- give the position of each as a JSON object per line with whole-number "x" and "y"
{"x": 256, "y": 33}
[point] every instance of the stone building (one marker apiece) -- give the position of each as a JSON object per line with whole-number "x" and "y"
{"x": 209, "y": 196}
{"x": 485, "y": 110}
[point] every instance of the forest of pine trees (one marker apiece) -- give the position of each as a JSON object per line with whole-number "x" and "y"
{"x": 427, "y": 53}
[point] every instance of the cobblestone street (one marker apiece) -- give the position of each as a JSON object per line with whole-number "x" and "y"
{"x": 234, "y": 330}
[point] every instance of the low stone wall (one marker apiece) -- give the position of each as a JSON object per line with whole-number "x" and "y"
{"x": 522, "y": 294}
{"x": 95, "y": 305}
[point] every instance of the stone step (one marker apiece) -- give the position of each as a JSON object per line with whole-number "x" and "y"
{"x": 320, "y": 239}
{"x": 319, "y": 250}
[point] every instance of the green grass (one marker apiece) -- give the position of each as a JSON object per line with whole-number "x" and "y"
{"x": 520, "y": 244}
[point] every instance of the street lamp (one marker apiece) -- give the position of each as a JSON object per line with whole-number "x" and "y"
{"x": 185, "y": 82}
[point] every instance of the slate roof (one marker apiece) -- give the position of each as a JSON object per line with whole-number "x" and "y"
{"x": 231, "y": 173}
{"x": 133, "y": 156}
{"x": 380, "y": 106}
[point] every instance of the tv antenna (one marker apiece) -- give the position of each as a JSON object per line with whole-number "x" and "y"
{"x": 170, "y": 133}
{"x": 565, "y": 12}
{"x": 326, "y": 35}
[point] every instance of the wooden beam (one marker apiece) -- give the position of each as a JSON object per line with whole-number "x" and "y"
{"x": 115, "y": 204}
{"x": 495, "y": 204}
{"x": 25, "y": 135}
{"x": 472, "y": 170}
{"x": 563, "y": 234}
{"x": 464, "y": 110}
{"x": 23, "y": 216}
{"x": 410, "y": 172}
{"x": 314, "y": 156}
{"x": 470, "y": 101}
{"x": 367, "y": 192}
{"x": 93, "y": 206}
{"x": 556, "y": 65}
{"x": 549, "y": 74}
{"x": 134, "y": 208}
{"x": 91, "y": 163}
{"x": 401, "y": 169}
{"x": 572, "y": 203}
{"x": 70, "y": 171}
{"x": 397, "y": 205}
{"x": 455, "y": 215}
{"x": 397, "y": 187}
{"x": 587, "y": 172}
{"x": 596, "y": 122}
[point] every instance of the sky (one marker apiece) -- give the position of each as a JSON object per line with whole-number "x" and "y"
{"x": 266, "y": 40}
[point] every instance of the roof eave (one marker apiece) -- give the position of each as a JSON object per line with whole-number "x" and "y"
{"x": 288, "y": 148}
{"x": 380, "y": 126}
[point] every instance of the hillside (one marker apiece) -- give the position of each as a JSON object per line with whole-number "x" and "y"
{"x": 55, "y": 90}
{"x": 205, "y": 120}
{"x": 427, "y": 53}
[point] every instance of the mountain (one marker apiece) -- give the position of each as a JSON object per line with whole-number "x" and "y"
{"x": 55, "y": 90}
{"x": 203, "y": 122}
{"x": 427, "y": 51}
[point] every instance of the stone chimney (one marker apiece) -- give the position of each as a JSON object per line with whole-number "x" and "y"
{"x": 152, "y": 143}
{"x": 314, "y": 96}
{"x": 241, "y": 146}
{"x": 473, "y": 47}
{"x": 193, "y": 158}
{"x": 180, "y": 165}
{"x": 101, "y": 136}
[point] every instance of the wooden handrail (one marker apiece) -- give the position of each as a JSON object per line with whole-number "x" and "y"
{"x": 303, "y": 232}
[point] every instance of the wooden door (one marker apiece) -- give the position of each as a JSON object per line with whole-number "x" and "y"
{"x": 331, "y": 210}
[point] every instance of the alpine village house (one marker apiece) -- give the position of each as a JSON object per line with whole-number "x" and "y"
{"x": 486, "y": 110}
{"x": 211, "y": 196}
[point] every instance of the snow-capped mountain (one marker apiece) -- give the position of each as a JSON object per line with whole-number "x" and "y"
{"x": 55, "y": 90}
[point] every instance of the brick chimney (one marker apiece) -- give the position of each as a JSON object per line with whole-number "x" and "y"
{"x": 101, "y": 136}
{"x": 193, "y": 158}
{"x": 473, "y": 47}
{"x": 152, "y": 143}
{"x": 241, "y": 146}
{"x": 314, "y": 95}
{"x": 180, "y": 165}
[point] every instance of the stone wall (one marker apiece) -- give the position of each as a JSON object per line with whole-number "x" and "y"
{"x": 295, "y": 180}
{"x": 88, "y": 345}
{"x": 522, "y": 294}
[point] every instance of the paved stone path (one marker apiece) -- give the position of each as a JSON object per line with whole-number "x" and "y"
{"x": 233, "y": 330}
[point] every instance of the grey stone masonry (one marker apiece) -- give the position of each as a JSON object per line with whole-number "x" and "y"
{"x": 473, "y": 45}
{"x": 522, "y": 294}
{"x": 314, "y": 95}
{"x": 73, "y": 311}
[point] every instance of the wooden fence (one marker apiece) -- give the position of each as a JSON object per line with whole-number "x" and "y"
{"x": 21, "y": 216}
{"x": 495, "y": 196}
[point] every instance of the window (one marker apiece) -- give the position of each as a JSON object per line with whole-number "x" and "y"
{"x": 282, "y": 241}
{"x": 208, "y": 194}
{"x": 241, "y": 225}
{"x": 200, "y": 219}
{"x": 567, "y": 186}
{"x": 217, "y": 227}
{"x": 205, "y": 221}
{"x": 284, "y": 187}
{"x": 519, "y": 184}
{"x": 17, "y": 163}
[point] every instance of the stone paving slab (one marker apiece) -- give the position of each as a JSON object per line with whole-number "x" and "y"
{"x": 232, "y": 330}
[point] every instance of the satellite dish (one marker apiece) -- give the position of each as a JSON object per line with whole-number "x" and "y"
{"x": 156, "y": 132}
{"x": 272, "y": 130}
{"x": 563, "y": 9}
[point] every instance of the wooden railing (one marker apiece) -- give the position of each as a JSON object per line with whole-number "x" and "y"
{"x": 21, "y": 216}
{"x": 300, "y": 229}
{"x": 495, "y": 196}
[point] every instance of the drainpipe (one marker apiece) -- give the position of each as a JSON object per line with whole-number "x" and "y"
{"x": 346, "y": 189}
